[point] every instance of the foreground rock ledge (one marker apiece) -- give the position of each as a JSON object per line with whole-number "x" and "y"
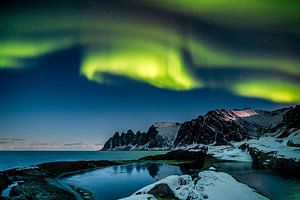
{"x": 208, "y": 185}
{"x": 39, "y": 182}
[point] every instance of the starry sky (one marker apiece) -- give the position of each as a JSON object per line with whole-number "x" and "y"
{"x": 73, "y": 72}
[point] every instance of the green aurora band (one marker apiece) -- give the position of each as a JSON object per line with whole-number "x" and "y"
{"x": 12, "y": 52}
{"x": 149, "y": 51}
{"x": 161, "y": 69}
{"x": 273, "y": 89}
{"x": 263, "y": 14}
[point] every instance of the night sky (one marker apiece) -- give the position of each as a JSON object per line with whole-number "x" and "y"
{"x": 74, "y": 72}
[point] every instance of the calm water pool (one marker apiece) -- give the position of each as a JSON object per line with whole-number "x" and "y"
{"x": 121, "y": 181}
{"x": 267, "y": 182}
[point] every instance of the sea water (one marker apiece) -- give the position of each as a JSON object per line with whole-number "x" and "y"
{"x": 13, "y": 159}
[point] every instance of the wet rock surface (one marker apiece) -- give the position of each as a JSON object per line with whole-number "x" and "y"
{"x": 162, "y": 190}
{"x": 61, "y": 168}
{"x": 181, "y": 155}
{"x": 85, "y": 194}
{"x": 4, "y": 181}
{"x": 39, "y": 189}
{"x": 38, "y": 182}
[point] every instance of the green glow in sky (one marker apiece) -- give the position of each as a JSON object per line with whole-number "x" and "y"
{"x": 13, "y": 51}
{"x": 273, "y": 89}
{"x": 10, "y": 63}
{"x": 159, "y": 70}
{"x": 204, "y": 55}
{"x": 29, "y": 48}
{"x": 254, "y": 13}
{"x": 149, "y": 50}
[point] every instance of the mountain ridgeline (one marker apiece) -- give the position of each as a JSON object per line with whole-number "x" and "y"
{"x": 159, "y": 136}
{"x": 217, "y": 127}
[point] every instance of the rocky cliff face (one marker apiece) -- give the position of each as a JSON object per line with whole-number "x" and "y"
{"x": 289, "y": 123}
{"x": 292, "y": 117}
{"x": 159, "y": 135}
{"x": 218, "y": 127}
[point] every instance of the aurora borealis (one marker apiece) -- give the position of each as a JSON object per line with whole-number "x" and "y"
{"x": 160, "y": 59}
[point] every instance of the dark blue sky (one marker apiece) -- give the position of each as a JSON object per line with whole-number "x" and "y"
{"x": 49, "y": 104}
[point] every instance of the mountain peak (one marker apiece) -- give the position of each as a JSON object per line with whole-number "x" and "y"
{"x": 164, "y": 124}
{"x": 230, "y": 115}
{"x": 217, "y": 127}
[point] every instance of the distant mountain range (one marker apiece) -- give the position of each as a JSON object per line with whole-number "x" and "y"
{"x": 217, "y": 127}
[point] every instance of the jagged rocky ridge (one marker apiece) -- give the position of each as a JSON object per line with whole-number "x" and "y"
{"x": 217, "y": 127}
{"x": 159, "y": 135}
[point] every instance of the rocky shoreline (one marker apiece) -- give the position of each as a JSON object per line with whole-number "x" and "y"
{"x": 41, "y": 181}
{"x": 284, "y": 166}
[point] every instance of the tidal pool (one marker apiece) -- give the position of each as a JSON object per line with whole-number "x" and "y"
{"x": 267, "y": 182}
{"x": 121, "y": 181}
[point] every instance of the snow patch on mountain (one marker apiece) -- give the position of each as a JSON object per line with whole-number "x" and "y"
{"x": 167, "y": 132}
{"x": 229, "y": 115}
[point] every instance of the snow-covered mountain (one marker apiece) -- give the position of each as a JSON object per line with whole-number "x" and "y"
{"x": 217, "y": 127}
{"x": 167, "y": 132}
{"x": 222, "y": 126}
{"x": 160, "y": 135}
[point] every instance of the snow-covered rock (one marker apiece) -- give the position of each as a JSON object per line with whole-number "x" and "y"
{"x": 276, "y": 146}
{"x": 229, "y": 153}
{"x": 217, "y": 127}
{"x": 275, "y": 153}
{"x": 209, "y": 185}
{"x": 141, "y": 197}
{"x": 294, "y": 139}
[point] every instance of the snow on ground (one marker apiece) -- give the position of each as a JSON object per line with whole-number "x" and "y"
{"x": 295, "y": 137}
{"x": 265, "y": 144}
{"x": 224, "y": 152}
{"x": 229, "y": 153}
{"x": 141, "y": 197}
{"x": 277, "y": 145}
{"x": 209, "y": 185}
{"x": 220, "y": 185}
